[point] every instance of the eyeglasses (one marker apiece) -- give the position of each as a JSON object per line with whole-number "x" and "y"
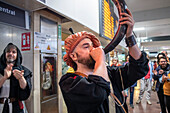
{"x": 163, "y": 61}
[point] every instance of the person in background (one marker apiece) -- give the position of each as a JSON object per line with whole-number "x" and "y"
{"x": 166, "y": 54}
{"x": 127, "y": 60}
{"x": 131, "y": 88}
{"x": 166, "y": 87}
{"x": 15, "y": 80}
{"x": 115, "y": 62}
{"x": 146, "y": 84}
{"x": 163, "y": 65}
{"x": 155, "y": 65}
{"x": 158, "y": 66}
{"x": 124, "y": 92}
{"x": 161, "y": 72}
{"x": 154, "y": 81}
{"x": 159, "y": 56}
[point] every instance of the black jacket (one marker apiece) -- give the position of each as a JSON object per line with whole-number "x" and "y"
{"x": 131, "y": 72}
{"x": 15, "y": 90}
{"x": 159, "y": 86}
{"x": 90, "y": 95}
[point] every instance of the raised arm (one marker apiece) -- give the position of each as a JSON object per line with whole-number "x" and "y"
{"x": 134, "y": 50}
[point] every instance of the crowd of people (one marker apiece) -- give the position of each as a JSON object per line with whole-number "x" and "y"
{"x": 157, "y": 79}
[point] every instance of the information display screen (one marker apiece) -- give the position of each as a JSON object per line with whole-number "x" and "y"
{"x": 108, "y": 20}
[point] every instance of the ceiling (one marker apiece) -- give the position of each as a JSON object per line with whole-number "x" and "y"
{"x": 30, "y": 5}
{"x": 154, "y": 17}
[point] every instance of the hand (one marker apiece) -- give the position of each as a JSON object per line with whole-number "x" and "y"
{"x": 155, "y": 72}
{"x": 129, "y": 21}
{"x": 18, "y": 74}
{"x": 124, "y": 93}
{"x": 161, "y": 71}
{"x": 97, "y": 54}
{"x": 8, "y": 70}
{"x": 153, "y": 80}
{"x": 165, "y": 78}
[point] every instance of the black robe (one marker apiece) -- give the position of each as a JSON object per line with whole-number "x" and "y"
{"x": 90, "y": 95}
{"x": 131, "y": 72}
{"x": 15, "y": 90}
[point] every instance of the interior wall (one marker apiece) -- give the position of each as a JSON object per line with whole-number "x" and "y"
{"x": 11, "y": 34}
{"x": 78, "y": 10}
{"x": 36, "y": 26}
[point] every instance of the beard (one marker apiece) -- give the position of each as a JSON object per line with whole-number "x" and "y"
{"x": 89, "y": 62}
{"x": 163, "y": 66}
{"x": 10, "y": 59}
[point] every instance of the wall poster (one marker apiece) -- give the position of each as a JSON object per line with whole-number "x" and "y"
{"x": 48, "y": 76}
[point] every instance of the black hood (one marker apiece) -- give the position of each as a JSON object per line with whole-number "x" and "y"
{"x": 18, "y": 61}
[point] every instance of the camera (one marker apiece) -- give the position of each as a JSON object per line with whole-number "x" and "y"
{"x": 166, "y": 74}
{"x": 168, "y": 80}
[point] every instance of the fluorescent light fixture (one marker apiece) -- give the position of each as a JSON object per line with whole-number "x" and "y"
{"x": 168, "y": 55}
{"x": 9, "y": 34}
{"x": 139, "y": 29}
{"x": 144, "y": 38}
{"x": 146, "y": 49}
{"x": 165, "y": 48}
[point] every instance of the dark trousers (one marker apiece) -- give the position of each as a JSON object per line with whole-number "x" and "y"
{"x": 131, "y": 94}
{"x": 167, "y": 102}
{"x": 161, "y": 100}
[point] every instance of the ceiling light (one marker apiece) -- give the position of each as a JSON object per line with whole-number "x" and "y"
{"x": 165, "y": 48}
{"x": 144, "y": 38}
{"x": 139, "y": 29}
{"x": 9, "y": 34}
{"x": 146, "y": 49}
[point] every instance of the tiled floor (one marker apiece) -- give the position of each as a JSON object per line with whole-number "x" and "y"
{"x": 143, "y": 107}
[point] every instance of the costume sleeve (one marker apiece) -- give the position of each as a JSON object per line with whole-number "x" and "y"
{"x": 130, "y": 73}
{"x": 25, "y": 93}
{"x": 85, "y": 94}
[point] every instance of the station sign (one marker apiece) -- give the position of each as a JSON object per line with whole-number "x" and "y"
{"x": 13, "y": 16}
{"x": 108, "y": 20}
